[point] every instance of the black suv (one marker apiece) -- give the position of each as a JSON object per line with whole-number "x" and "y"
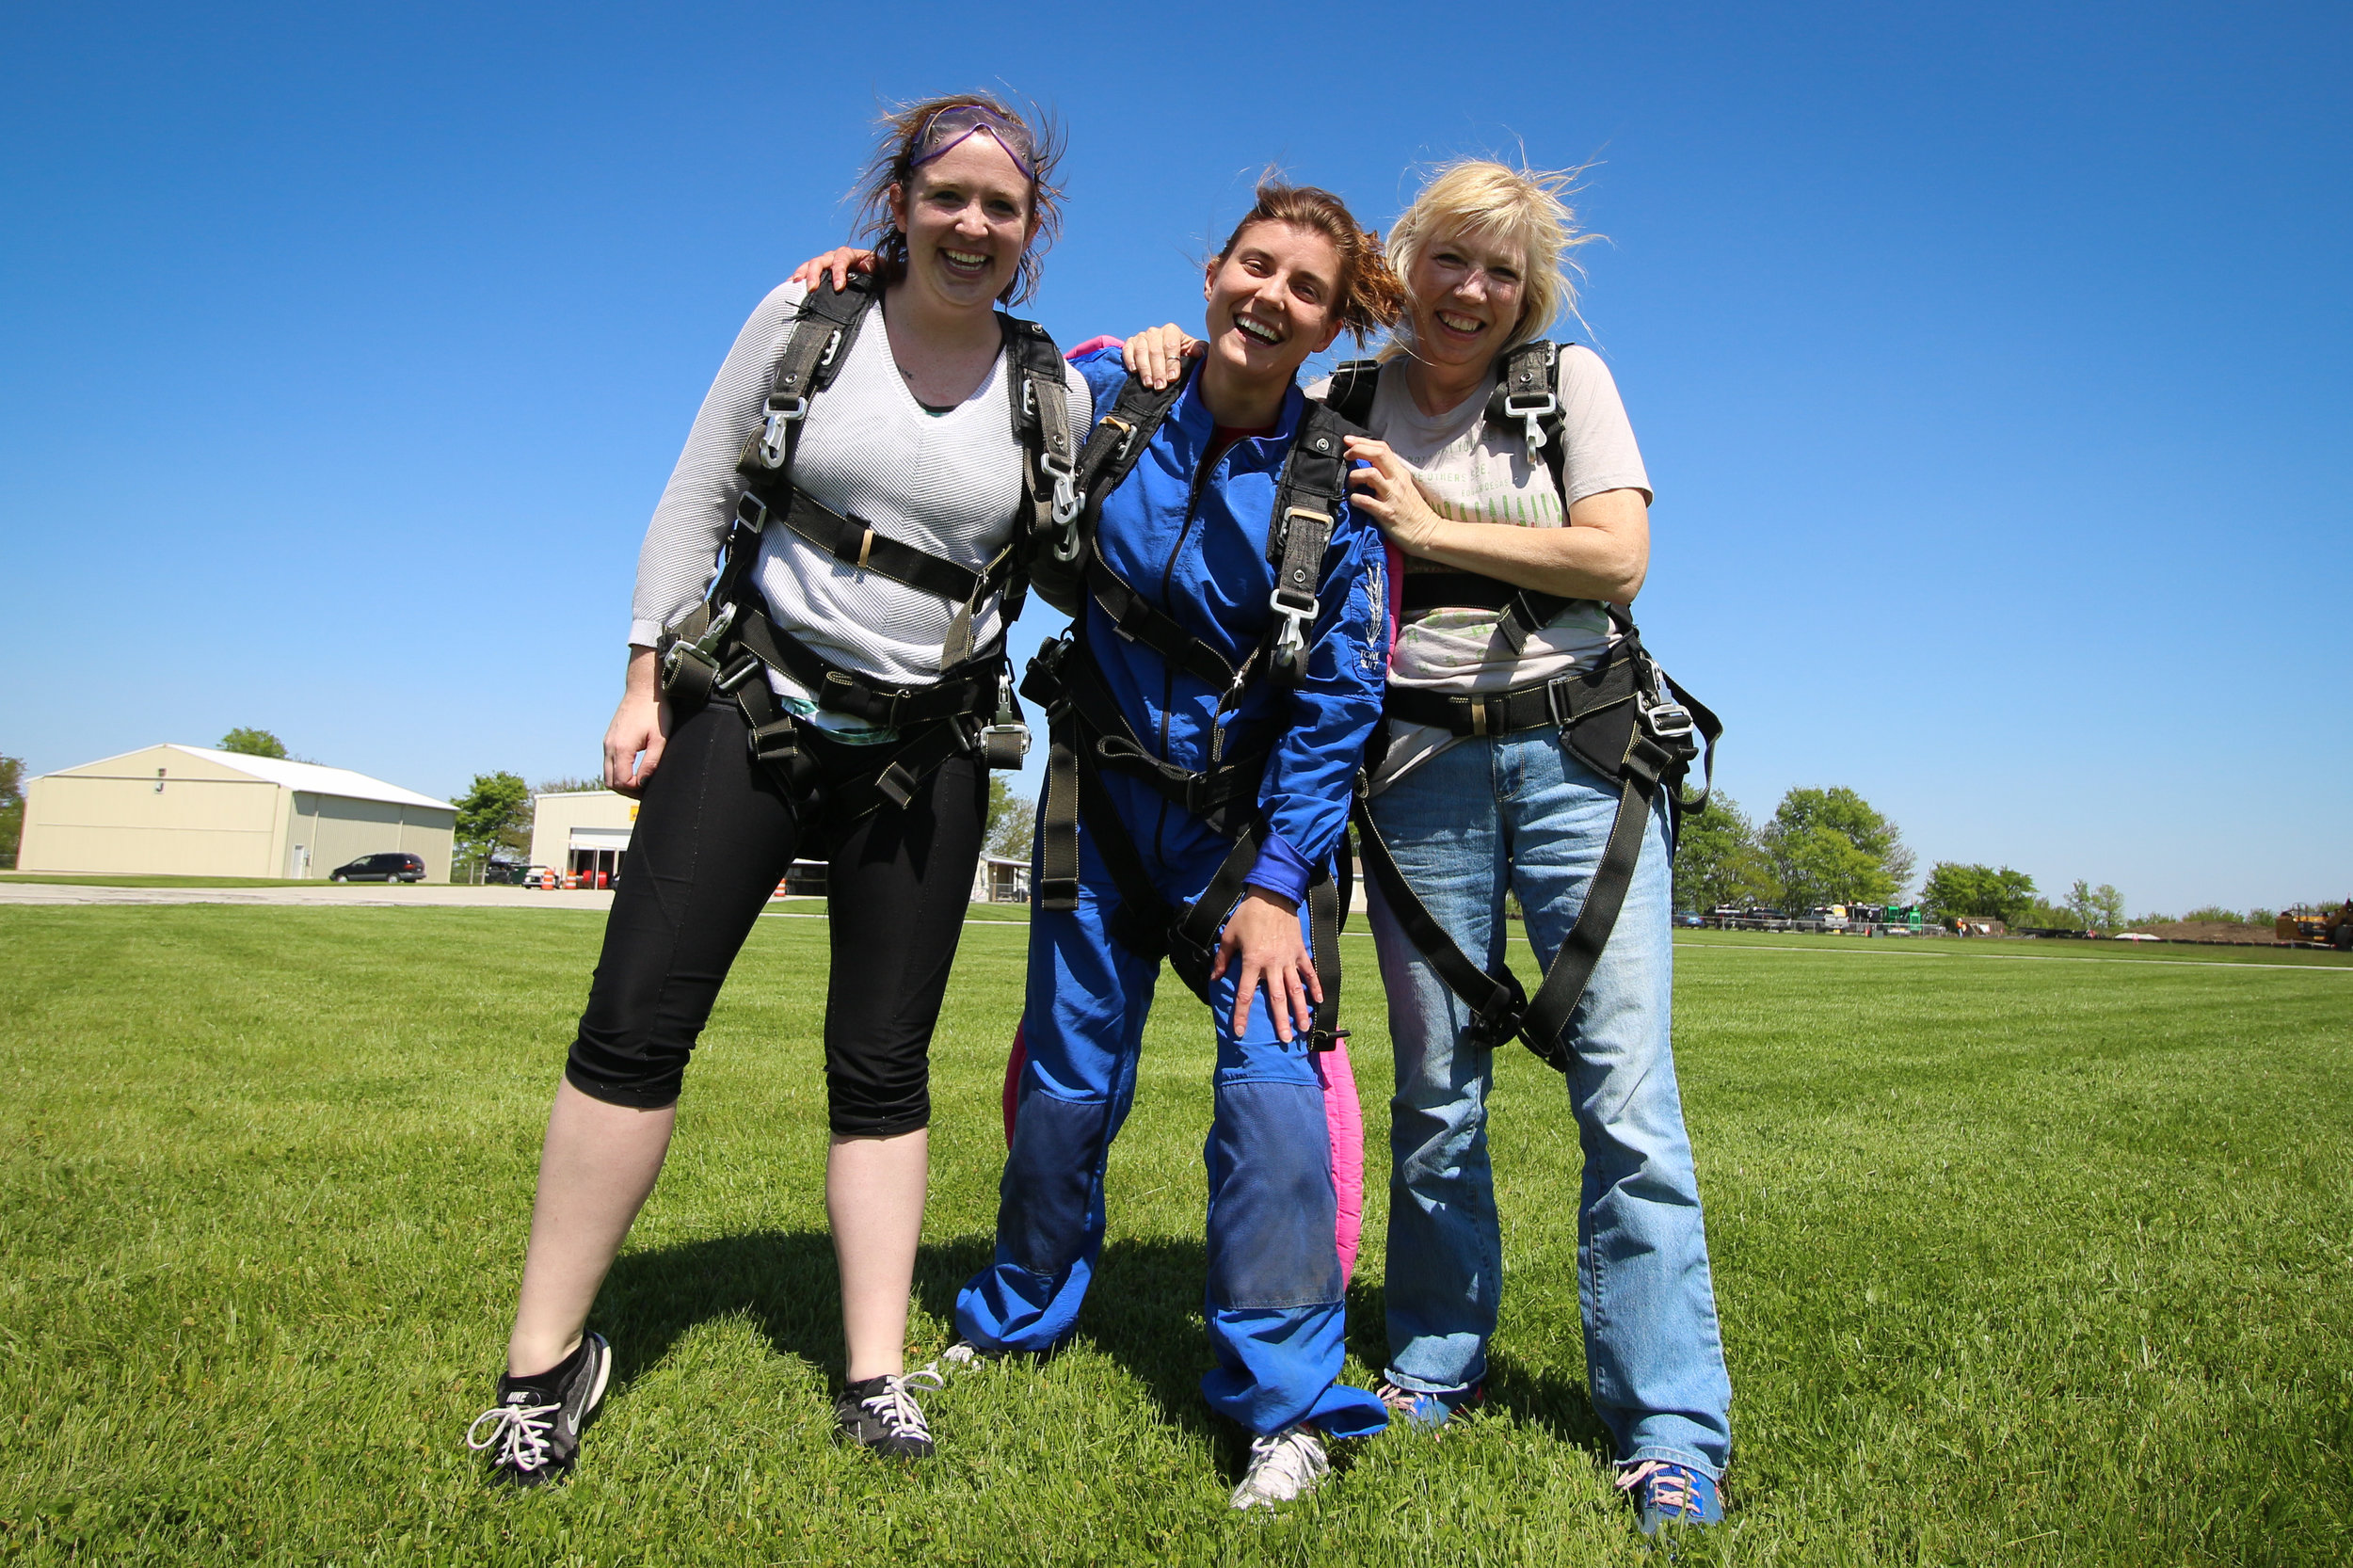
{"x": 380, "y": 868}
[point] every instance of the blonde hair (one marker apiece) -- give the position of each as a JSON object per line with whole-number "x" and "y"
{"x": 1521, "y": 207}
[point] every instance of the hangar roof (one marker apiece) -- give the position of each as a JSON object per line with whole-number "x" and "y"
{"x": 307, "y": 776}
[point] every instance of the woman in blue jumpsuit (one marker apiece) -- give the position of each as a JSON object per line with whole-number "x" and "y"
{"x": 1188, "y": 529}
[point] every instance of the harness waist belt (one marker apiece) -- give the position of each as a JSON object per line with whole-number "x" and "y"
{"x": 1563, "y": 702}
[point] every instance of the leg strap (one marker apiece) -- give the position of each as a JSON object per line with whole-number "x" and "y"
{"x": 1499, "y": 1007}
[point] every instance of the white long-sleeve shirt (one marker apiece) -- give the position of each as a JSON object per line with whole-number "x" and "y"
{"x": 948, "y": 484}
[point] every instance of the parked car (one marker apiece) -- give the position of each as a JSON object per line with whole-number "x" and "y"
{"x": 380, "y": 868}
{"x": 1686, "y": 918}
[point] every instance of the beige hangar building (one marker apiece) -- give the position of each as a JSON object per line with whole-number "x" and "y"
{"x": 194, "y": 811}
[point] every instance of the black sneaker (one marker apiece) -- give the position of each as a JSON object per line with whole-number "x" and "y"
{"x": 535, "y": 1427}
{"x": 881, "y": 1414}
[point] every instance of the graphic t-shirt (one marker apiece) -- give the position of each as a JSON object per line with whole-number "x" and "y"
{"x": 1470, "y": 470}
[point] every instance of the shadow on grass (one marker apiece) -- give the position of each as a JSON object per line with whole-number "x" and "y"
{"x": 1143, "y": 1309}
{"x": 1535, "y": 1397}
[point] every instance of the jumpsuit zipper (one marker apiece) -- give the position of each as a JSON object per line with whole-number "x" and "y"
{"x": 1168, "y": 672}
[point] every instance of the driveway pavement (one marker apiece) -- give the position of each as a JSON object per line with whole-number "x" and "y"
{"x": 357, "y": 895}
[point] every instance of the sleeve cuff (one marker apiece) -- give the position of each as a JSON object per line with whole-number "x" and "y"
{"x": 645, "y": 633}
{"x": 1280, "y": 870}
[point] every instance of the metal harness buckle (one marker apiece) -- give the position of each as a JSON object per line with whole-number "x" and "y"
{"x": 1127, "y": 435}
{"x": 704, "y": 649}
{"x": 1068, "y": 499}
{"x": 1666, "y": 721}
{"x": 1289, "y": 653}
{"x": 1531, "y": 409}
{"x": 781, "y": 412}
{"x": 1003, "y": 745}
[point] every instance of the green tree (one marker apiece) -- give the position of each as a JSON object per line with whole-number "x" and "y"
{"x": 1012, "y": 819}
{"x": 254, "y": 743}
{"x": 2107, "y": 908}
{"x": 1717, "y": 858}
{"x": 494, "y": 814}
{"x": 567, "y": 786}
{"x": 1954, "y": 889}
{"x": 11, "y": 808}
{"x": 1829, "y": 846}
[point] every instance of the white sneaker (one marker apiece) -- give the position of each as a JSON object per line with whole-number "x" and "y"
{"x": 1282, "y": 1466}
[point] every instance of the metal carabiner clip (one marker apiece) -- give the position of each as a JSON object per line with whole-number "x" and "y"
{"x": 781, "y": 412}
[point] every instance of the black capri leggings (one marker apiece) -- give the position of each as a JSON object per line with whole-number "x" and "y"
{"x": 713, "y": 838}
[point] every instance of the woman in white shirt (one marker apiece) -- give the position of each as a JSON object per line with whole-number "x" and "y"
{"x": 824, "y": 700}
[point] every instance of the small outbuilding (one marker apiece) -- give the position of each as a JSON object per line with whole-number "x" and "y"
{"x": 582, "y": 832}
{"x": 195, "y": 811}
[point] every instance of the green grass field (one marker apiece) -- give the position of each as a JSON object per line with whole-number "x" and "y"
{"x": 2022, "y": 1257}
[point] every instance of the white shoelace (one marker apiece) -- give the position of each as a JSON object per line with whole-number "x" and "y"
{"x": 1282, "y": 1466}
{"x": 895, "y": 1406}
{"x": 1672, "y": 1495}
{"x": 518, "y": 1431}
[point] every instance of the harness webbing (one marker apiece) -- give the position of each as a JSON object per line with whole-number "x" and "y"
{"x": 1529, "y": 391}
{"x": 726, "y": 645}
{"x": 1088, "y": 733}
{"x": 1618, "y": 717}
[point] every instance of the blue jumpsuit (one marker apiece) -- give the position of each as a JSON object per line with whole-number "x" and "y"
{"x": 1194, "y": 543}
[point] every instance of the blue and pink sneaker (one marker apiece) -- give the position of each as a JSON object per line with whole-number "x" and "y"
{"x": 1668, "y": 1493}
{"x": 1426, "y": 1411}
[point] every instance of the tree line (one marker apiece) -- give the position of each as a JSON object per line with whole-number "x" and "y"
{"x": 1819, "y": 847}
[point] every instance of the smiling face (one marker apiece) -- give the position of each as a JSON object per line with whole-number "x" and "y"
{"x": 1467, "y": 294}
{"x": 1273, "y": 300}
{"x": 966, "y": 220}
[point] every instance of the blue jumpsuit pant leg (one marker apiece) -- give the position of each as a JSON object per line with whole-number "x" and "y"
{"x": 1088, "y": 998}
{"x": 1274, "y": 1305}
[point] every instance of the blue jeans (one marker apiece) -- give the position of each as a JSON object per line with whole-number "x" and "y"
{"x": 1275, "y": 1303}
{"x": 1521, "y": 811}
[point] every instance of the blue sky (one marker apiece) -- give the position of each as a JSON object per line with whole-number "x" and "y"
{"x": 1991, "y": 363}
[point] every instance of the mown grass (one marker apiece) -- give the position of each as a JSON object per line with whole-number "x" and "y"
{"x": 2021, "y": 1259}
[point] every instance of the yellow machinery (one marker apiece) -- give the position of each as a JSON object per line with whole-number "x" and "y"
{"x": 2331, "y": 928}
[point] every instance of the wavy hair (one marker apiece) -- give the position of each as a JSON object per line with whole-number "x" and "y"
{"x": 899, "y": 130}
{"x": 1521, "y": 207}
{"x": 1371, "y": 295}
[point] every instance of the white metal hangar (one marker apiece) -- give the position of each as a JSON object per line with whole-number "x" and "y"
{"x": 195, "y": 811}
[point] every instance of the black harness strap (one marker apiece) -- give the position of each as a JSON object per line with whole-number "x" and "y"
{"x": 1041, "y": 422}
{"x": 1088, "y": 733}
{"x": 857, "y": 543}
{"x": 726, "y": 645}
{"x": 1618, "y": 717}
{"x": 1306, "y": 502}
{"x": 1620, "y": 722}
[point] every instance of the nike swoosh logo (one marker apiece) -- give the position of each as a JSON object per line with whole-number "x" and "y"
{"x": 571, "y": 1425}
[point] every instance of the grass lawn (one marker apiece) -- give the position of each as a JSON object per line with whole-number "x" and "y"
{"x": 2022, "y": 1257}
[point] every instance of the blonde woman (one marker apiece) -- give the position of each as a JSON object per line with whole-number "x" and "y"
{"x": 1523, "y": 539}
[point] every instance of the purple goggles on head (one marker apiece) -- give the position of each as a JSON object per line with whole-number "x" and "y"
{"x": 948, "y": 127}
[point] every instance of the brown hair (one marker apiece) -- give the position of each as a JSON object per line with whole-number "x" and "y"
{"x": 901, "y": 129}
{"x": 1371, "y": 295}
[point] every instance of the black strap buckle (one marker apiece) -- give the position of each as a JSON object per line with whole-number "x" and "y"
{"x": 775, "y": 742}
